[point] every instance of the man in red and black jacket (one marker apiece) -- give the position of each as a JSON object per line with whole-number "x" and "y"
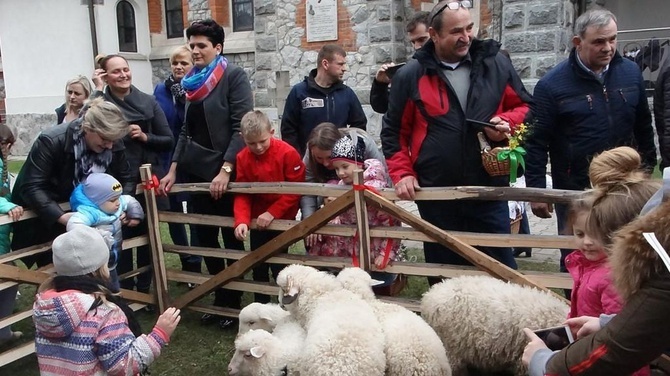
{"x": 426, "y": 139}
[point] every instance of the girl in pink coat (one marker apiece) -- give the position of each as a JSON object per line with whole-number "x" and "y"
{"x": 346, "y": 157}
{"x": 592, "y": 291}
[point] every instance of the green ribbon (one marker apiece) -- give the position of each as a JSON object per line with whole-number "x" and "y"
{"x": 515, "y": 157}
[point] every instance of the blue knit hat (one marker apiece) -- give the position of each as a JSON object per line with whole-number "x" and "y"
{"x": 101, "y": 187}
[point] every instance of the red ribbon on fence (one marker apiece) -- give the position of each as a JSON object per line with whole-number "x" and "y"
{"x": 152, "y": 183}
{"x": 387, "y": 249}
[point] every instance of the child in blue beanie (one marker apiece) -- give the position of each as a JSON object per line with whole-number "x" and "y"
{"x": 98, "y": 202}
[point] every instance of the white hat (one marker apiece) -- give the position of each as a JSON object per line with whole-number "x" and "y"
{"x": 79, "y": 252}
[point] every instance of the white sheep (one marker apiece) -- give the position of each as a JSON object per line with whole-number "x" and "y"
{"x": 260, "y": 353}
{"x": 480, "y": 321}
{"x": 344, "y": 337}
{"x": 261, "y": 316}
{"x": 412, "y": 347}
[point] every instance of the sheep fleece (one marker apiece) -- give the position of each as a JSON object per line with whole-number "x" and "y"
{"x": 480, "y": 320}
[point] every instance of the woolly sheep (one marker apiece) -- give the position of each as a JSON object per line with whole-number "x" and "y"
{"x": 480, "y": 321}
{"x": 343, "y": 335}
{"x": 412, "y": 347}
{"x": 260, "y": 353}
{"x": 260, "y": 316}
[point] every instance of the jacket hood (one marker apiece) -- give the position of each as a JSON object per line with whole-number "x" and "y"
{"x": 58, "y": 314}
{"x": 311, "y": 83}
{"x": 479, "y": 50}
{"x": 81, "y": 203}
{"x": 634, "y": 262}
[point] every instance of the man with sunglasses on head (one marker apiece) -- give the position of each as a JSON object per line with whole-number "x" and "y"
{"x": 426, "y": 136}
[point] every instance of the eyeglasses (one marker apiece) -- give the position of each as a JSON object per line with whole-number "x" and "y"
{"x": 453, "y": 5}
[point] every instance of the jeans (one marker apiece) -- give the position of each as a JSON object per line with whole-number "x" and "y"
{"x": 142, "y": 282}
{"x": 561, "y": 222}
{"x": 464, "y": 215}
{"x": 7, "y": 302}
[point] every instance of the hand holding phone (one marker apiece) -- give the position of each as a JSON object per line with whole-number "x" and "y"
{"x": 556, "y": 338}
{"x": 390, "y": 71}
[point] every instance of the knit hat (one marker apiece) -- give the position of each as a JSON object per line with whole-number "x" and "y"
{"x": 101, "y": 187}
{"x": 349, "y": 150}
{"x": 79, "y": 251}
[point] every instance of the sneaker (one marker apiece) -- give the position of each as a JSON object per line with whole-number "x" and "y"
{"x": 228, "y": 323}
{"x": 16, "y": 335}
{"x": 208, "y": 318}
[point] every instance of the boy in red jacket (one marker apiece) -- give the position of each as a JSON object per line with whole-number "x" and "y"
{"x": 264, "y": 159}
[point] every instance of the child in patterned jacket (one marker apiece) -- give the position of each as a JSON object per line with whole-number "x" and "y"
{"x": 346, "y": 157}
{"x": 82, "y": 328}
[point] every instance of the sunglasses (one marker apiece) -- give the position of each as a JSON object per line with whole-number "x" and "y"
{"x": 453, "y": 5}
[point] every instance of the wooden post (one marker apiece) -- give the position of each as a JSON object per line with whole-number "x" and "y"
{"x": 283, "y": 82}
{"x": 363, "y": 227}
{"x": 153, "y": 230}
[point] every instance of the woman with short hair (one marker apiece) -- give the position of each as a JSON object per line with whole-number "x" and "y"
{"x": 61, "y": 157}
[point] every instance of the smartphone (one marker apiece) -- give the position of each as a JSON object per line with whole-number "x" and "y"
{"x": 555, "y": 338}
{"x": 390, "y": 71}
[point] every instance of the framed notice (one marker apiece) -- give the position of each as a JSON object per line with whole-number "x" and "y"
{"x": 321, "y": 20}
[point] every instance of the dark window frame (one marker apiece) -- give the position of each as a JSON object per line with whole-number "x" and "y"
{"x": 172, "y": 30}
{"x": 247, "y": 25}
{"x": 126, "y": 29}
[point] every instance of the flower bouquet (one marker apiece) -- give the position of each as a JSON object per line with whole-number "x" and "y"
{"x": 505, "y": 160}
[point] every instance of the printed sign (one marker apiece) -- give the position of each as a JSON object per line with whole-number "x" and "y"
{"x": 321, "y": 20}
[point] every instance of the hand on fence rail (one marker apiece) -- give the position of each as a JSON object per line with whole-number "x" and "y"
{"x": 406, "y": 188}
{"x": 15, "y": 213}
{"x": 542, "y": 209}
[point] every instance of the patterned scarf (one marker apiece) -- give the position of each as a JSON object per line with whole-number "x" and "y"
{"x": 87, "y": 161}
{"x": 178, "y": 92}
{"x": 199, "y": 82}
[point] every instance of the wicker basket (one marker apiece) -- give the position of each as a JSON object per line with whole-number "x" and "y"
{"x": 492, "y": 165}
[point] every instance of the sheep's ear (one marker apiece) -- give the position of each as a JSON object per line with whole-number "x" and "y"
{"x": 266, "y": 317}
{"x": 257, "y": 351}
{"x": 376, "y": 282}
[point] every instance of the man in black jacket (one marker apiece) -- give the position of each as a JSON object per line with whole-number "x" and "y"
{"x": 426, "y": 138}
{"x": 417, "y": 32}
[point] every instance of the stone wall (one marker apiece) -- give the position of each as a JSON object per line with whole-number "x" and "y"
{"x": 537, "y": 35}
{"x": 26, "y": 127}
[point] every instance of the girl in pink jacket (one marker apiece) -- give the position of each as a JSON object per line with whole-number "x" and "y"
{"x": 592, "y": 291}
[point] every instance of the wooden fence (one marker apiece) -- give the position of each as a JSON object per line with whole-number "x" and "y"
{"x": 294, "y": 231}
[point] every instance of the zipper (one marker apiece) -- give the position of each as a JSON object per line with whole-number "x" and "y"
{"x": 607, "y": 98}
{"x": 590, "y": 100}
{"x": 439, "y": 91}
{"x": 622, "y": 96}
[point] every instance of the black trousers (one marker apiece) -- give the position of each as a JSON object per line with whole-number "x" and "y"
{"x": 208, "y": 236}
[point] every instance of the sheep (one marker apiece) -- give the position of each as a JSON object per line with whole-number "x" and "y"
{"x": 261, "y": 316}
{"x": 343, "y": 335}
{"x": 260, "y": 353}
{"x": 480, "y": 321}
{"x": 412, "y": 347}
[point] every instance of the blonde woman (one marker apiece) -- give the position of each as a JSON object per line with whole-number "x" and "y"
{"x": 77, "y": 91}
{"x": 61, "y": 157}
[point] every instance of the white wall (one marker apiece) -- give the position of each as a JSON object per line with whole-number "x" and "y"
{"x": 45, "y": 42}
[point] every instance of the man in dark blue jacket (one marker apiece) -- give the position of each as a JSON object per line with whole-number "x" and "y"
{"x": 593, "y": 101}
{"x": 321, "y": 97}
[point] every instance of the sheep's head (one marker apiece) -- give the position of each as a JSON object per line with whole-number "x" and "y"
{"x": 256, "y": 316}
{"x": 358, "y": 281}
{"x": 290, "y": 280}
{"x": 256, "y": 353}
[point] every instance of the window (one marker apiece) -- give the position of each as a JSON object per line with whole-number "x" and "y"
{"x": 125, "y": 22}
{"x": 174, "y": 18}
{"x": 243, "y": 15}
